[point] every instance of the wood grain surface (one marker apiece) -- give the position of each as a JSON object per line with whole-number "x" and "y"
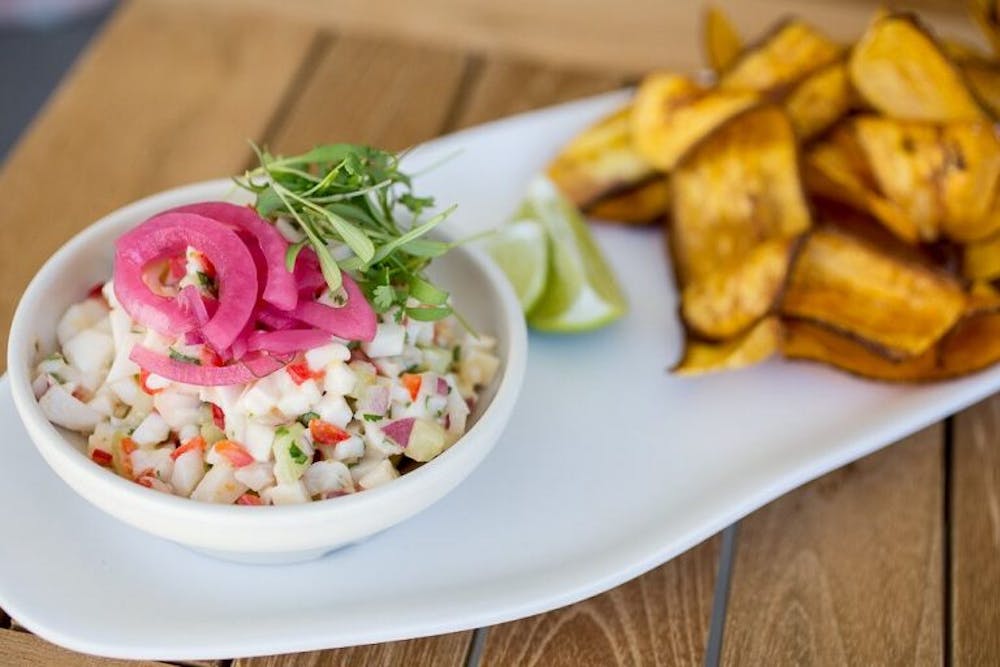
{"x": 596, "y": 34}
{"x": 444, "y": 651}
{"x": 162, "y": 98}
{"x": 975, "y": 536}
{"x": 846, "y": 570}
{"x": 389, "y": 94}
{"x": 20, "y": 649}
{"x": 660, "y": 618}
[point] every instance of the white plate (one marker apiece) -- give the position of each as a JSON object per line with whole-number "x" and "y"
{"x": 609, "y": 467}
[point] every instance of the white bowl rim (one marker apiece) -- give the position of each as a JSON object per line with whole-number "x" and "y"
{"x": 237, "y": 516}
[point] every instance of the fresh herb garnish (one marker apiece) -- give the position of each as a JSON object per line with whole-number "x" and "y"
{"x": 177, "y": 356}
{"x": 307, "y": 417}
{"x": 369, "y": 417}
{"x": 297, "y": 454}
{"x": 345, "y": 199}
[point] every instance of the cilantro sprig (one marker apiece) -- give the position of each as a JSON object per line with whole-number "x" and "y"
{"x": 348, "y": 201}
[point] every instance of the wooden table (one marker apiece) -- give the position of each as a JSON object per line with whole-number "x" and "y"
{"x": 893, "y": 559}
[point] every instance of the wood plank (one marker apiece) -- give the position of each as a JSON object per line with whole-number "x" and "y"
{"x": 975, "y": 536}
{"x": 660, "y": 618}
{"x": 507, "y": 86}
{"x": 27, "y": 650}
{"x": 634, "y": 36}
{"x": 848, "y": 569}
{"x": 162, "y": 97}
{"x": 440, "y": 651}
{"x": 370, "y": 91}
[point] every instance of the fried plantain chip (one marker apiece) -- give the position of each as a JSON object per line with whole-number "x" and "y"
{"x": 646, "y": 203}
{"x": 819, "y": 101}
{"x": 984, "y": 78}
{"x": 900, "y": 70}
{"x": 943, "y": 177}
{"x": 791, "y": 51}
{"x": 900, "y": 307}
{"x": 981, "y": 260}
{"x": 982, "y": 298}
{"x": 727, "y": 302}
{"x": 671, "y": 113}
{"x": 722, "y": 42}
{"x": 987, "y": 15}
{"x": 836, "y": 168}
{"x": 753, "y": 347}
{"x": 973, "y": 344}
{"x": 737, "y": 189}
{"x": 600, "y": 160}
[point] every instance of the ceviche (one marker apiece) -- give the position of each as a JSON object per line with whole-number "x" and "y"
{"x": 284, "y": 352}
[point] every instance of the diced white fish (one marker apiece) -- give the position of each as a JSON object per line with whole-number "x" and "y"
{"x": 382, "y": 473}
{"x": 151, "y": 431}
{"x": 79, "y": 317}
{"x": 178, "y": 410}
{"x": 257, "y": 476}
{"x": 325, "y": 477}
{"x": 388, "y": 341}
{"x": 188, "y": 471}
{"x": 219, "y": 485}
{"x": 290, "y": 493}
{"x": 64, "y": 409}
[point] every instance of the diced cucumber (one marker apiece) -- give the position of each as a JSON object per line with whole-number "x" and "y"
{"x": 290, "y": 458}
{"x": 427, "y": 440}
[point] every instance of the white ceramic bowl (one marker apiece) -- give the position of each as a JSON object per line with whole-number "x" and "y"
{"x": 256, "y": 534}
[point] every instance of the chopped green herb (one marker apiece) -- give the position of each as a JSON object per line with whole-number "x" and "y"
{"x": 369, "y": 417}
{"x": 345, "y": 195}
{"x": 177, "y": 356}
{"x": 297, "y": 454}
{"x": 456, "y": 354}
{"x": 55, "y": 356}
{"x": 206, "y": 280}
{"x": 58, "y": 378}
{"x": 307, "y": 417}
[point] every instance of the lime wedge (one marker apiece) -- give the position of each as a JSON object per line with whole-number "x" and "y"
{"x": 522, "y": 251}
{"x": 581, "y": 292}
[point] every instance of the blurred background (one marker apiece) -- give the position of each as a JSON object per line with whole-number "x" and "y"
{"x": 41, "y": 39}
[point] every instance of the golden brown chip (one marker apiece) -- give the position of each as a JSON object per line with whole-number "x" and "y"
{"x": 984, "y": 78}
{"x": 972, "y": 345}
{"x": 943, "y": 178}
{"x": 987, "y": 15}
{"x": 815, "y": 342}
{"x": 982, "y": 298}
{"x": 791, "y": 51}
{"x": 722, "y": 42}
{"x": 737, "y": 189}
{"x": 819, "y": 101}
{"x": 837, "y": 168}
{"x": 753, "y": 347}
{"x": 725, "y": 303}
{"x": 671, "y": 113}
{"x": 899, "y": 69}
{"x": 896, "y": 305}
{"x": 981, "y": 260}
{"x": 600, "y": 160}
{"x": 643, "y": 204}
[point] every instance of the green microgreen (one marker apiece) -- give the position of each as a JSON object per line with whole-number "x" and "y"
{"x": 358, "y": 212}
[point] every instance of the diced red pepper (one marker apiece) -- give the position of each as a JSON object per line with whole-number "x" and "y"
{"x": 96, "y": 292}
{"x": 249, "y": 499}
{"x": 412, "y": 383}
{"x": 326, "y": 433}
{"x": 101, "y": 457}
{"x": 195, "y": 443}
{"x": 218, "y": 416}
{"x": 143, "y": 377}
{"x": 128, "y": 445}
{"x": 176, "y": 269}
{"x": 234, "y": 453}
{"x": 210, "y": 357}
{"x": 300, "y": 372}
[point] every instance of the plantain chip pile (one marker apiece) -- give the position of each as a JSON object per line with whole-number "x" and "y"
{"x": 821, "y": 201}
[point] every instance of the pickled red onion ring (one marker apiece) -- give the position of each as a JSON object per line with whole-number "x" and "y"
{"x": 355, "y": 320}
{"x": 170, "y": 234}
{"x": 287, "y": 340}
{"x": 280, "y": 287}
{"x": 251, "y": 367}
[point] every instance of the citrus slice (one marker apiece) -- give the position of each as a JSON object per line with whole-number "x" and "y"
{"x": 521, "y": 249}
{"x": 581, "y": 292}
